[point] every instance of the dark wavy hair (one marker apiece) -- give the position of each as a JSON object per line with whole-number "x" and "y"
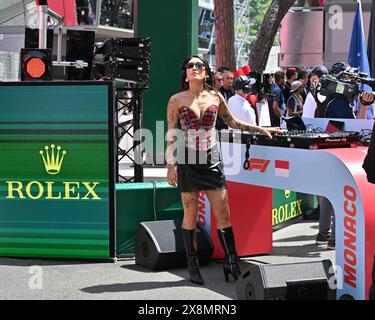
{"x": 207, "y": 83}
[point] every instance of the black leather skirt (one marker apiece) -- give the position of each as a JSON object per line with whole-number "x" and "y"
{"x": 201, "y": 175}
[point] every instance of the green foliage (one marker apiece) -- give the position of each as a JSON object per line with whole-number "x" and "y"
{"x": 257, "y": 11}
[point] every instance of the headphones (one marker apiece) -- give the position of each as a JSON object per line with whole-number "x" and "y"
{"x": 243, "y": 83}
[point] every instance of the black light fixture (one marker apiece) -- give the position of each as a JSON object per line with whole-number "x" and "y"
{"x": 36, "y": 64}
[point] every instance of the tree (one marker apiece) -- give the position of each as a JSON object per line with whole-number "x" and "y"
{"x": 257, "y": 11}
{"x": 224, "y": 25}
{"x": 261, "y": 49}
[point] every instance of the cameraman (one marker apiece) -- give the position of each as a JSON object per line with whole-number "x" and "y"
{"x": 310, "y": 105}
{"x": 337, "y": 105}
{"x": 238, "y": 105}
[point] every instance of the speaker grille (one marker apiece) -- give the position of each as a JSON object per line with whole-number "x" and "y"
{"x": 277, "y": 276}
{"x": 294, "y": 281}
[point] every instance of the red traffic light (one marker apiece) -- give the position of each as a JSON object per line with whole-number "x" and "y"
{"x": 36, "y": 64}
{"x": 35, "y": 67}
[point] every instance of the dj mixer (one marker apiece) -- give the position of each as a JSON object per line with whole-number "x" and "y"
{"x": 294, "y": 139}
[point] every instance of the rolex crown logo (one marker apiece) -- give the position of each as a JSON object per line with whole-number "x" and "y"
{"x": 52, "y": 159}
{"x": 287, "y": 194}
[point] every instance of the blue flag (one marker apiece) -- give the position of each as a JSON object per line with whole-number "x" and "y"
{"x": 371, "y": 41}
{"x": 358, "y": 52}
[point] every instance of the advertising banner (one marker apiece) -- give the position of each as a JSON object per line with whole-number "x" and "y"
{"x": 287, "y": 206}
{"x": 57, "y": 170}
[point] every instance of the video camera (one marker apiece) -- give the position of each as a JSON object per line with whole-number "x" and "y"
{"x": 262, "y": 86}
{"x": 346, "y": 83}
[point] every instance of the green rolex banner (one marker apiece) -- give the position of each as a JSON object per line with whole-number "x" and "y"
{"x": 57, "y": 170}
{"x": 288, "y": 206}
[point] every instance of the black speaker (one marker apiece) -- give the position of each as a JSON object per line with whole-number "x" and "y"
{"x": 123, "y": 58}
{"x": 131, "y": 70}
{"x": 159, "y": 245}
{"x": 126, "y": 48}
{"x": 291, "y": 281}
{"x": 133, "y": 48}
{"x": 32, "y": 38}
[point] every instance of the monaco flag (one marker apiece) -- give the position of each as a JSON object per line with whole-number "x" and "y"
{"x": 282, "y": 168}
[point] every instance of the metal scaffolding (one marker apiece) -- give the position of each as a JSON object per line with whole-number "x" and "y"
{"x": 129, "y": 121}
{"x": 241, "y": 14}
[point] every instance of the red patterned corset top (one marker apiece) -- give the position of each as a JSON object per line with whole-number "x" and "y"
{"x": 199, "y": 134}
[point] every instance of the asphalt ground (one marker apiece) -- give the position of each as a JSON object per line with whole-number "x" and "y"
{"x": 47, "y": 279}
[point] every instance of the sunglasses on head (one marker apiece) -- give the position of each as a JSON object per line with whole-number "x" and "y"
{"x": 198, "y": 65}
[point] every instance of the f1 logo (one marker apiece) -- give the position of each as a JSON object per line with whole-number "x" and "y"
{"x": 258, "y": 164}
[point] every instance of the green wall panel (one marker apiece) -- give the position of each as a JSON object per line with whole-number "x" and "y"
{"x": 39, "y": 215}
{"x": 172, "y": 26}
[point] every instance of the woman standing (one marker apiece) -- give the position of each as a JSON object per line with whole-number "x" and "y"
{"x": 192, "y": 113}
{"x": 295, "y": 102}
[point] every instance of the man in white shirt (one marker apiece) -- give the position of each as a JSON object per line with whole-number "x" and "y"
{"x": 238, "y": 105}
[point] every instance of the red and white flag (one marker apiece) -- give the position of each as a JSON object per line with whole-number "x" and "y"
{"x": 282, "y": 168}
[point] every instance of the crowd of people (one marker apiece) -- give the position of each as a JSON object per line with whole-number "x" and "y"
{"x": 293, "y": 95}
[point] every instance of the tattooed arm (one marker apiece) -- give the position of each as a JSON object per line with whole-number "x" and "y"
{"x": 228, "y": 118}
{"x": 172, "y": 120}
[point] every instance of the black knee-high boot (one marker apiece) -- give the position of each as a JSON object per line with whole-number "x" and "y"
{"x": 227, "y": 242}
{"x": 191, "y": 256}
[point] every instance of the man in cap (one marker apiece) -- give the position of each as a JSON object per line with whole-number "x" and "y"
{"x": 238, "y": 105}
{"x": 338, "y": 67}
